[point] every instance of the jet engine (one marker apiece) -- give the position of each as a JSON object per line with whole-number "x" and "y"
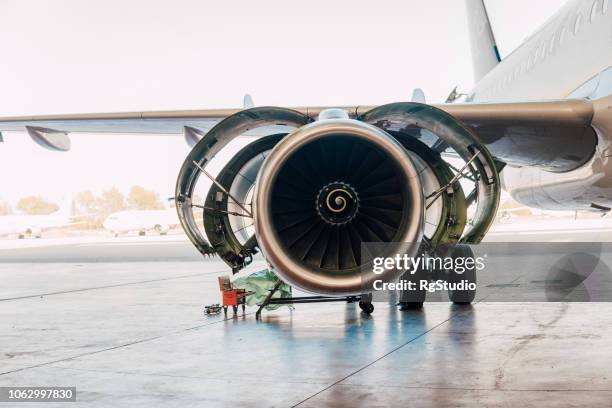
{"x": 309, "y": 191}
{"x": 325, "y": 189}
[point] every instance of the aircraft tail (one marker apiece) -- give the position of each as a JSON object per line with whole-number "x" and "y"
{"x": 485, "y": 55}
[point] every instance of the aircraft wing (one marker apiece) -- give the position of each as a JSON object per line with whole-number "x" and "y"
{"x": 154, "y": 122}
{"x": 553, "y": 135}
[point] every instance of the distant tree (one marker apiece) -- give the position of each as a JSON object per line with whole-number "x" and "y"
{"x": 140, "y": 198}
{"x": 35, "y": 205}
{"x": 110, "y": 201}
{"x": 94, "y": 210}
{"x": 86, "y": 210}
{"x": 85, "y": 203}
{"x": 5, "y": 208}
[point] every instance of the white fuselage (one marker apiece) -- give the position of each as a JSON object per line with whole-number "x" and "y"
{"x": 563, "y": 59}
{"x": 143, "y": 220}
{"x": 31, "y": 224}
{"x": 556, "y": 60}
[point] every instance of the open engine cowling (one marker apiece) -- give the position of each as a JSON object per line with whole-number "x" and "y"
{"x": 324, "y": 190}
{"x": 310, "y": 192}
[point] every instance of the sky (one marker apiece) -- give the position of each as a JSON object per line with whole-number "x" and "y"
{"x": 71, "y": 56}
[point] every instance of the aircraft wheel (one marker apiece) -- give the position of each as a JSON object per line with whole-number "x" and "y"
{"x": 410, "y": 305}
{"x": 366, "y": 307}
{"x": 413, "y": 299}
{"x": 462, "y": 297}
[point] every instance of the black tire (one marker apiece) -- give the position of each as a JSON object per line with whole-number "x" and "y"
{"x": 413, "y": 299}
{"x": 366, "y": 307}
{"x": 463, "y": 297}
{"x": 410, "y": 305}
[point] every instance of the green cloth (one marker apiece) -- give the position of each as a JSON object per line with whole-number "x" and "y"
{"x": 258, "y": 285}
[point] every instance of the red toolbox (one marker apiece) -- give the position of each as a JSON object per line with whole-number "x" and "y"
{"x": 231, "y": 296}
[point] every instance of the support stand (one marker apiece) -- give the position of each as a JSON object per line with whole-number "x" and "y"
{"x": 365, "y": 301}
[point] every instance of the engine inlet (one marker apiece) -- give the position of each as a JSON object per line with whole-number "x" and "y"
{"x": 325, "y": 190}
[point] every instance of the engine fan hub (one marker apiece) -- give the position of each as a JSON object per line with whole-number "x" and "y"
{"x": 337, "y": 203}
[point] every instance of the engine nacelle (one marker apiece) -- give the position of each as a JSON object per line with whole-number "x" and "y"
{"x": 308, "y": 193}
{"x": 325, "y": 189}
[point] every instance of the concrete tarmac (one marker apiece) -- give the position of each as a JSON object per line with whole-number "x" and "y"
{"x": 124, "y": 324}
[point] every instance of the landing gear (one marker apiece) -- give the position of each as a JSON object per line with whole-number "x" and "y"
{"x": 366, "y": 307}
{"x": 462, "y": 297}
{"x": 410, "y": 305}
{"x": 413, "y": 299}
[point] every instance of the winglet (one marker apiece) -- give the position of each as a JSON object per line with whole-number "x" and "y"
{"x": 485, "y": 55}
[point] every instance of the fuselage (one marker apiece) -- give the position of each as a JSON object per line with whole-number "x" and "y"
{"x": 570, "y": 56}
{"x": 573, "y": 46}
{"x": 31, "y": 224}
{"x": 126, "y": 221}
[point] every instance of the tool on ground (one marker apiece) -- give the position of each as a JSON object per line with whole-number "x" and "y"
{"x": 231, "y": 296}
